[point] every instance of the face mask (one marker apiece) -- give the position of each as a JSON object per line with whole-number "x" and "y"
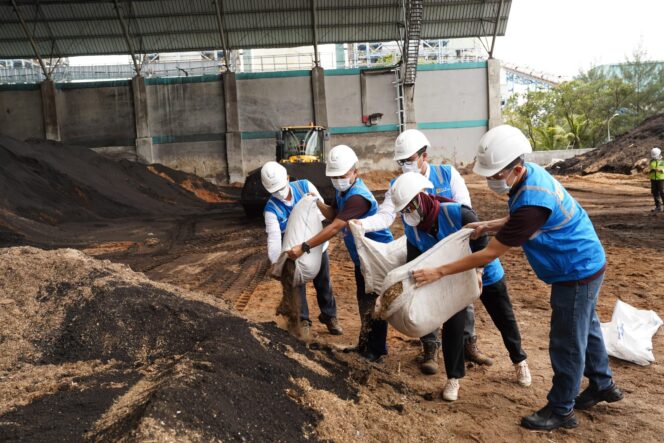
{"x": 341, "y": 184}
{"x": 412, "y": 218}
{"x": 500, "y": 186}
{"x": 281, "y": 194}
{"x": 410, "y": 167}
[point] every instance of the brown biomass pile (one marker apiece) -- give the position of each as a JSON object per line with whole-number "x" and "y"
{"x": 92, "y": 350}
{"x": 627, "y": 154}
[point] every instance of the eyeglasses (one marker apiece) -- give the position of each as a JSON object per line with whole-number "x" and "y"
{"x": 408, "y": 209}
{"x": 408, "y": 160}
{"x": 412, "y": 158}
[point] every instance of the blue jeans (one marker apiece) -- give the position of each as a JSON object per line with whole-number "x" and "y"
{"x": 324, "y": 296}
{"x": 576, "y": 346}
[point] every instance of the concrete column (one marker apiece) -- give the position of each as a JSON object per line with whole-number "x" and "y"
{"x": 144, "y": 148}
{"x": 340, "y": 56}
{"x": 49, "y": 111}
{"x": 493, "y": 92}
{"x": 409, "y": 106}
{"x": 234, "y": 160}
{"x": 318, "y": 95}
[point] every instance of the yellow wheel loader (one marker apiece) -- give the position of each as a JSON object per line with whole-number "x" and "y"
{"x": 301, "y": 149}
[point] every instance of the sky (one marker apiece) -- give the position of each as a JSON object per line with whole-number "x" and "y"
{"x": 562, "y": 37}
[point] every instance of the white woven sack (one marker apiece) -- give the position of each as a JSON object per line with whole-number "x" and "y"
{"x": 304, "y": 222}
{"x": 376, "y": 258}
{"x": 419, "y": 311}
{"x": 628, "y": 336}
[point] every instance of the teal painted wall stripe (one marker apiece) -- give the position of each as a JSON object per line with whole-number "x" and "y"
{"x": 20, "y": 87}
{"x": 253, "y": 135}
{"x": 182, "y": 80}
{"x": 360, "y": 129}
{"x": 275, "y": 74}
{"x": 447, "y": 66}
{"x": 189, "y": 138}
{"x": 239, "y": 76}
{"x": 95, "y": 84}
{"x": 363, "y": 129}
{"x": 453, "y": 125}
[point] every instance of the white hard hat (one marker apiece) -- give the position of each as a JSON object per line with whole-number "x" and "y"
{"x": 406, "y": 187}
{"x": 273, "y": 176}
{"x": 408, "y": 143}
{"x": 655, "y": 153}
{"x": 340, "y": 160}
{"x": 498, "y": 148}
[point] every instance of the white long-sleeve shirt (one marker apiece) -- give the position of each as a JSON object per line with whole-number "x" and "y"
{"x": 273, "y": 229}
{"x": 386, "y": 212}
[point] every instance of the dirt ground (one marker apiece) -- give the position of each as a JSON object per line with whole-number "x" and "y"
{"x": 222, "y": 254}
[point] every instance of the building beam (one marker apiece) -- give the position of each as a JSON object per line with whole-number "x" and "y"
{"x": 125, "y": 31}
{"x": 234, "y": 159}
{"x": 314, "y": 25}
{"x": 30, "y": 37}
{"x": 220, "y": 24}
{"x": 495, "y": 29}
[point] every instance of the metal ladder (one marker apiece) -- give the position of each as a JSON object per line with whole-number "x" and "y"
{"x": 401, "y": 109}
{"x": 412, "y": 44}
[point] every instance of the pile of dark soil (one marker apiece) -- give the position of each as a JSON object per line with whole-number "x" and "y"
{"x": 90, "y": 350}
{"x": 627, "y": 154}
{"x": 46, "y": 183}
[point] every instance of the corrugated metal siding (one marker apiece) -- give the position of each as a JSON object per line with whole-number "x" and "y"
{"x": 91, "y": 27}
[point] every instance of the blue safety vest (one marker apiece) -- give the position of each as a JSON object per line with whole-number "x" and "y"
{"x": 299, "y": 189}
{"x": 441, "y": 178}
{"x": 566, "y": 247}
{"x": 449, "y": 222}
{"x": 383, "y": 236}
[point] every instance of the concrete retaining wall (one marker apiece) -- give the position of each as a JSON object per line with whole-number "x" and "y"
{"x": 187, "y": 121}
{"x": 547, "y": 157}
{"x": 20, "y": 113}
{"x": 95, "y": 117}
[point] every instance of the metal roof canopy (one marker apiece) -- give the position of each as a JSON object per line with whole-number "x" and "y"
{"x": 62, "y": 28}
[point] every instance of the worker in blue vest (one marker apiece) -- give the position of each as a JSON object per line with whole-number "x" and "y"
{"x": 427, "y": 220}
{"x": 563, "y": 249}
{"x": 353, "y": 201}
{"x": 410, "y": 153}
{"x": 284, "y": 196}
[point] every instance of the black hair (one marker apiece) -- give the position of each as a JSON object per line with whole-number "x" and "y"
{"x": 516, "y": 162}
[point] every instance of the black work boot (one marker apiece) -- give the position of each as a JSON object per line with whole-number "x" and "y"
{"x": 429, "y": 363}
{"x": 591, "y": 396}
{"x": 546, "y": 420}
{"x": 472, "y": 353}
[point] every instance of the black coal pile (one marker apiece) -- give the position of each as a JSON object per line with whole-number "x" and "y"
{"x": 45, "y": 183}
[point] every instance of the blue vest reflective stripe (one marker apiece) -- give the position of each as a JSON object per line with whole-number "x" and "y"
{"x": 566, "y": 247}
{"x": 299, "y": 189}
{"x": 449, "y": 222}
{"x": 441, "y": 177}
{"x": 383, "y": 236}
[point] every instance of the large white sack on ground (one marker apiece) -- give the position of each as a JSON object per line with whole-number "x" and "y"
{"x": 376, "y": 258}
{"x": 419, "y": 311}
{"x": 304, "y": 222}
{"x": 628, "y": 336}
